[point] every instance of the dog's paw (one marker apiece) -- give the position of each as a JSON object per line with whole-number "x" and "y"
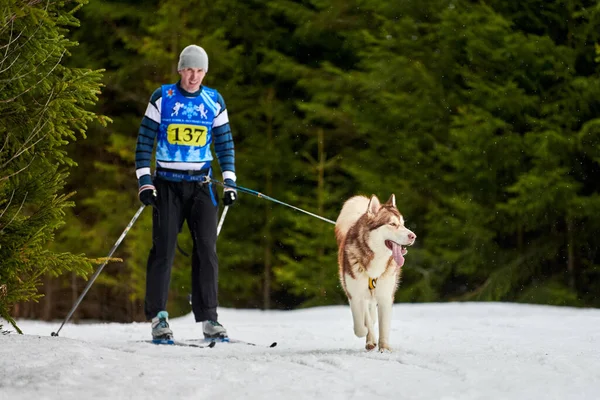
{"x": 369, "y": 346}
{"x": 384, "y": 347}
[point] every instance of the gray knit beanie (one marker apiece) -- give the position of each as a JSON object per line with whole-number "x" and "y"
{"x": 193, "y": 57}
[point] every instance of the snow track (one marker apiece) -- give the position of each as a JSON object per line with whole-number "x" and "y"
{"x": 441, "y": 351}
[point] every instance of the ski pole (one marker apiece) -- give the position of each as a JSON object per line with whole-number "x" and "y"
{"x": 135, "y": 217}
{"x": 263, "y": 196}
{"x": 223, "y": 214}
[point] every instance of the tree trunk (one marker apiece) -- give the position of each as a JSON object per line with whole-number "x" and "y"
{"x": 49, "y": 291}
{"x": 74, "y": 294}
{"x": 268, "y": 264}
{"x": 322, "y": 158}
{"x": 570, "y": 254}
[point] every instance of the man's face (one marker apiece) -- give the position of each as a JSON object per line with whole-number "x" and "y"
{"x": 191, "y": 79}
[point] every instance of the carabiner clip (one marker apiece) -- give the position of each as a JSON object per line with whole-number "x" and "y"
{"x": 206, "y": 180}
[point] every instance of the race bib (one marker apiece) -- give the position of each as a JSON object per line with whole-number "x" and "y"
{"x": 187, "y": 135}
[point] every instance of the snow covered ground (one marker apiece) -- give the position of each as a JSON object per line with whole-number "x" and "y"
{"x": 441, "y": 351}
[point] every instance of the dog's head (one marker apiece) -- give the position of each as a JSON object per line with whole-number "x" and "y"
{"x": 387, "y": 228}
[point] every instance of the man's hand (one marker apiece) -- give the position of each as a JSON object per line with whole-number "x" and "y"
{"x": 229, "y": 194}
{"x": 148, "y": 196}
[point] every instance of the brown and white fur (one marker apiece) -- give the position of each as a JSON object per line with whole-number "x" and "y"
{"x": 371, "y": 237}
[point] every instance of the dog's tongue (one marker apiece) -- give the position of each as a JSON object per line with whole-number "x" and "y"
{"x": 397, "y": 254}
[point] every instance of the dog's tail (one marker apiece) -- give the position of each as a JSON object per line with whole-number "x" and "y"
{"x": 353, "y": 209}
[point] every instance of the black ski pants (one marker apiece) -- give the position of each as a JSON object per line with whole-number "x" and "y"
{"x": 196, "y": 203}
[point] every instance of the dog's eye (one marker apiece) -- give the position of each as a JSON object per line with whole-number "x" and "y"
{"x": 394, "y": 224}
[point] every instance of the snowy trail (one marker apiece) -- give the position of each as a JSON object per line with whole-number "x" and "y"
{"x": 441, "y": 351}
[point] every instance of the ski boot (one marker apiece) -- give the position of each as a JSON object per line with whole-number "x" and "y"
{"x": 214, "y": 331}
{"x": 161, "y": 333}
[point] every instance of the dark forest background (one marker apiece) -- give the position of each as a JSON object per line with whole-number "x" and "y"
{"x": 482, "y": 117}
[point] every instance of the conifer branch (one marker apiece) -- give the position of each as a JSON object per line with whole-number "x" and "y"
{"x": 5, "y": 142}
{"x": 22, "y": 150}
{"x": 38, "y": 82}
{"x": 14, "y": 16}
{"x": 15, "y": 58}
{"x": 7, "y": 46}
{"x": 16, "y": 213}
{"x": 34, "y": 133}
{"x": 11, "y": 64}
{"x": 19, "y": 171}
{"x": 9, "y": 201}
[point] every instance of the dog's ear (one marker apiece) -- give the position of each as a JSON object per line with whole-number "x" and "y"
{"x": 392, "y": 200}
{"x": 374, "y": 205}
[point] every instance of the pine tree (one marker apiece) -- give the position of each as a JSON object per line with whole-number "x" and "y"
{"x": 146, "y": 46}
{"x": 480, "y": 117}
{"x": 316, "y": 66}
{"x": 497, "y": 118}
{"x": 555, "y": 223}
{"x": 43, "y": 106}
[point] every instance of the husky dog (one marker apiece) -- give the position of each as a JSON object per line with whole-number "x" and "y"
{"x": 371, "y": 237}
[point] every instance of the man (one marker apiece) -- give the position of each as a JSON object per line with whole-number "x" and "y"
{"x": 184, "y": 119}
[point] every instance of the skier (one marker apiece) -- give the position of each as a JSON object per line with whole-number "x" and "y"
{"x": 184, "y": 119}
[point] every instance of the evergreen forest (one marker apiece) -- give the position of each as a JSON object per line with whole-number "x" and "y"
{"x": 482, "y": 117}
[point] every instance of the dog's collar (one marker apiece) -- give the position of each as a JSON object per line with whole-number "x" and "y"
{"x": 372, "y": 283}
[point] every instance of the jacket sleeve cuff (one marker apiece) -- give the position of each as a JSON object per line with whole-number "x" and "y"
{"x": 229, "y": 175}
{"x": 145, "y": 180}
{"x": 145, "y": 187}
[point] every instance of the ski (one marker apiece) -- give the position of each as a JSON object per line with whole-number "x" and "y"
{"x": 170, "y": 342}
{"x": 226, "y": 339}
{"x": 230, "y": 340}
{"x": 203, "y": 343}
{"x": 274, "y": 344}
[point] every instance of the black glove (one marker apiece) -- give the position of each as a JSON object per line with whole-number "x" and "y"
{"x": 229, "y": 194}
{"x": 148, "y": 197}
